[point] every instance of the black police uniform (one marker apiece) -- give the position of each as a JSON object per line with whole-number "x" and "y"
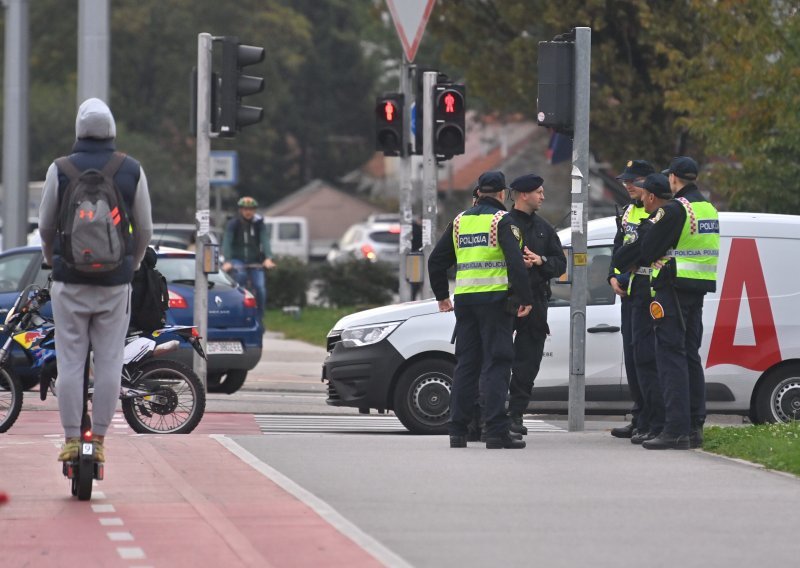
{"x": 633, "y": 170}
{"x": 650, "y": 420}
{"x": 532, "y": 330}
{"x": 484, "y": 327}
{"x": 680, "y": 330}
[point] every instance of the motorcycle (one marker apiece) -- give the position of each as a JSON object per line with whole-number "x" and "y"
{"x": 159, "y": 396}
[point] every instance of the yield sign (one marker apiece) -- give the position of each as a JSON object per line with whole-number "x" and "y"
{"x": 410, "y": 17}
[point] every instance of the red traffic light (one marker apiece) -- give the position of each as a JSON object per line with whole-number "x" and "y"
{"x": 450, "y": 102}
{"x": 389, "y": 111}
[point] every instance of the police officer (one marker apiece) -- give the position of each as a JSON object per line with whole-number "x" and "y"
{"x": 544, "y": 258}
{"x": 627, "y": 223}
{"x": 650, "y": 423}
{"x": 484, "y": 244}
{"x": 683, "y": 246}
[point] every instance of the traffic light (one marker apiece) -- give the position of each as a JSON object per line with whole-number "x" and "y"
{"x": 449, "y": 130}
{"x": 555, "y": 100}
{"x": 389, "y": 137}
{"x": 234, "y": 85}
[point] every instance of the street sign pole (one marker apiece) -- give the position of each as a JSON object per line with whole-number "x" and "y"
{"x": 580, "y": 191}
{"x": 429, "y": 175}
{"x": 406, "y": 211}
{"x": 204, "y": 46}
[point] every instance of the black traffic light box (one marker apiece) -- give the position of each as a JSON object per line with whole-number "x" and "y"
{"x": 556, "y": 96}
{"x": 389, "y": 137}
{"x": 234, "y": 85}
{"x": 449, "y": 131}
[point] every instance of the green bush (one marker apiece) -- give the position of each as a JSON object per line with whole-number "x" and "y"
{"x": 357, "y": 282}
{"x": 287, "y": 283}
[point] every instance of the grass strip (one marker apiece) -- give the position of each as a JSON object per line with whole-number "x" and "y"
{"x": 311, "y": 325}
{"x": 775, "y": 446}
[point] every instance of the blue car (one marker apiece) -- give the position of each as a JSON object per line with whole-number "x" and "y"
{"x": 234, "y": 332}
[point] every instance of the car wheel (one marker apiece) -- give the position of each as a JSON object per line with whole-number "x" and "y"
{"x": 214, "y": 382}
{"x": 778, "y": 397}
{"x": 232, "y": 381}
{"x": 422, "y": 396}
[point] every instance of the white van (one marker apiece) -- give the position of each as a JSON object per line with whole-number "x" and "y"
{"x": 289, "y": 236}
{"x": 401, "y": 357}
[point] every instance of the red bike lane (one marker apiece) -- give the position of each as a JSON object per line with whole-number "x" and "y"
{"x": 171, "y": 500}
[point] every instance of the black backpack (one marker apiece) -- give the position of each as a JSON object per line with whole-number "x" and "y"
{"x": 92, "y": 222}
{"x": 150, "y": 296}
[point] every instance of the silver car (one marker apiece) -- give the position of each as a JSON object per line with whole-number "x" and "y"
{"x": 375, "y": 241}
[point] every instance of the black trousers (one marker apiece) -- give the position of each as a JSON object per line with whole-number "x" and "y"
{"x": 680, "y": 370}
{"x": 484, "y": 351}
{"x": 651, "y": 416}
{"x": 528, "y": 350}
{"x": 630, "y": 361}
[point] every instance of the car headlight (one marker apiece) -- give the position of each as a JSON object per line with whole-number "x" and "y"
{"x": 367, "y": 334}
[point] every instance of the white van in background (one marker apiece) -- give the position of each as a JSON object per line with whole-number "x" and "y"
{"x": 289, "y": 236}
{"x": 401, "y": 358}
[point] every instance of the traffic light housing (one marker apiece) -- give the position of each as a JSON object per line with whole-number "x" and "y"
{"x": 449, "y": 131}
{"x": 556, "y": 95}
{"x": 234, "y": 85}
{"x": 389, "y": 132}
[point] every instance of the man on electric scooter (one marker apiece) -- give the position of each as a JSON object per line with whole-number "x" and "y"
{"x": 91, "y": 286}
{"x": 247, "y": 250}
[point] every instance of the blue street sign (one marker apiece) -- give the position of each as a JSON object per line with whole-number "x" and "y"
{"x": 224, "y": 167}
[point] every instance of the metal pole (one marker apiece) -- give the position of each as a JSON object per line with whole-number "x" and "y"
{"x": 94, "y": 47}
{"x": 406, "y": 211}
{"x": 429, "y": 175}
{"x": 15, "y": 125}
{"x": 204, "y": 46}
{"x": 580, "y": 191}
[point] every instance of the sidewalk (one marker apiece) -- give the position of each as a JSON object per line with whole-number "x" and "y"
{"x": 166, "y": 501}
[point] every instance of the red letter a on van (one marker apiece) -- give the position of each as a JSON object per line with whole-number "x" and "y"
{"x": 744, "y": 270}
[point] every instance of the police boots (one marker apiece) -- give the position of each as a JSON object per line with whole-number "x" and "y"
{"x": 516, "y": 424}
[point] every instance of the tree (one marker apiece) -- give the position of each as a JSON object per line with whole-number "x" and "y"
{"x": 741, "y": 98}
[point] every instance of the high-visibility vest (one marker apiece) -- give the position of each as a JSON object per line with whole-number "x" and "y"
{"x": 697, "y": 251}
{"x": 480, "y": 262}
{"x": 631, "y": 218}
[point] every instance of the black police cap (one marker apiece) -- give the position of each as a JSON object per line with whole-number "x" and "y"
{"x": 636, "y": 169}
{"x": 527, "y": 183}
{"x": 684, "y": 167}
{"x": 492, "y": 182}
{"x": 657, "y": 184}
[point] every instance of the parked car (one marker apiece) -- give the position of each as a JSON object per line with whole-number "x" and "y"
{"x": 180, "y": 235}
{"x": 401, "y": 357}
{"x": 375, "y": 241}
{"x": 234, "y": 332}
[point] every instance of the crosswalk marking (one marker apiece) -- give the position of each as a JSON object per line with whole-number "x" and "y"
{"x": 362, "y": 424}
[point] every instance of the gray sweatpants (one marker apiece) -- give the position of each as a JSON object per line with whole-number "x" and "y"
{"x": 85, "y": 314}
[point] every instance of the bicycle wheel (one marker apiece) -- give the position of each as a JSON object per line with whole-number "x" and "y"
{"x": 10, "y": 399}
{"x": 175, "y": 402}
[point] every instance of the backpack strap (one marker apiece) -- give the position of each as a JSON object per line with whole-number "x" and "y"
{"x": 68, "y": 168}
{"x": 110, "y": 169}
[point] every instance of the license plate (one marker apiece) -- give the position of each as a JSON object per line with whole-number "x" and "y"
{"x": 86, "y": 449}
{"x": 224, "y": 347}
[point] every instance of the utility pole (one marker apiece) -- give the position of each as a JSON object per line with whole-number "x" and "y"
{"x": 15, "y": 125}
{"x": 406, "y": 212}
{"x": 204, "y": 46}
{"x": 580, "y": 215}
{"x": 94, "y": 48}
{"x": 429, "y": 175}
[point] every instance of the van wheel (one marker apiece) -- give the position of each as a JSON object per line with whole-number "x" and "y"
{"x": 422, "y": 396}
{"x": 778, "y": 398}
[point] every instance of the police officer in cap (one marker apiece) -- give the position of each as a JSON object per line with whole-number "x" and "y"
{"x": 683, "y": 247}
{"x": 544, "y": 258}
{"x": 491, "y": 288}
{"x": 627, "y": 223}
{"x": 627, "y": 259}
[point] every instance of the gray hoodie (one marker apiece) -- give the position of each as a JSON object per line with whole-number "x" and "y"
{"x": 95, "y": 131}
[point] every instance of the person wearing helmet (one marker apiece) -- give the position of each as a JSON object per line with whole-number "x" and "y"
{"x": 247, "y": 250}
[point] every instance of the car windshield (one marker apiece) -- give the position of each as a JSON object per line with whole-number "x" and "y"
{"x": 181, "y": 269}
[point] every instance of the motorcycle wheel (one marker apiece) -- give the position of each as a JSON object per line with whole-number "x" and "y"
{"x": 175, "y": 403}
{"x": 10, "y": 399}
